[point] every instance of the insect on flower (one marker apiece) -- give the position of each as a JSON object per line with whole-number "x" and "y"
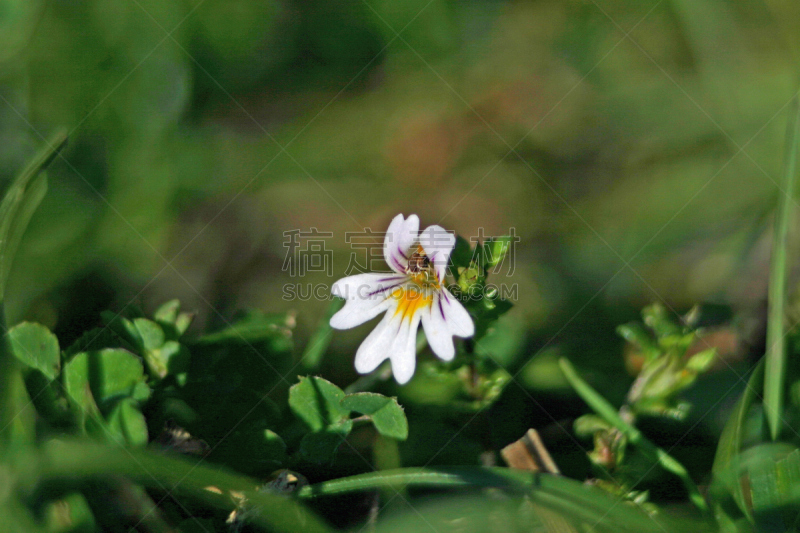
{"x": 413, "y": 292}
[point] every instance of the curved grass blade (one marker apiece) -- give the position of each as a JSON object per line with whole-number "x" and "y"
{"x": 65, "y": 463}
{"x": 731, "y": 441}
{"x": 321, "y": 338}
{"x": 566, "y": 496}
{"x": 775, "y": 368}
{"x": 16, "y": 209}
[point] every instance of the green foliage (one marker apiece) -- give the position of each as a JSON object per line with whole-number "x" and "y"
{"x": 385, "y": 413}
{"x": 317, "y": 402}
{"x": 191, "y": 122}
{"x": 775, "y": 365}
{"x": 36, "y": 348}
{"x": 325, "y": 410}
{"x": 667, "y": 370}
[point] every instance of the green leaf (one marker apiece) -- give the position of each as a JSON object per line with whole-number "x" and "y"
{"x": 127, "y": 424}
{"x": 70, "y": 513}
{"x": 317, "y": 402}
{"x": 20, "y": 202}
{"x": 701, "y": 361}
{"x": 588, "y": 425}
{"x": 660, "y": 321}
{"x": 151, "y": 333}
{"x": 769, "y": 476}
{"x": 495, "y": 250}
{"x": 22, "y": 427}
{"x": 636, "y": 335}
{"x": 172, "y": 321}
{"x": 18, "y": 205}
{"x": 124, "y": 328}
{"x": 37, "y": 348}
{"x": 107, "y": 374}
{"x": 253, "y": 327}
{"x": 775, "y": 366}
{"x": 385, "y": 413}
{"x": 461, "y": 255}
{"x": 732, "y": 440}
{"x": 167, "y": 312}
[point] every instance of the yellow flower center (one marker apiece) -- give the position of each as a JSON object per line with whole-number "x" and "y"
{"x": 410, "y": 300}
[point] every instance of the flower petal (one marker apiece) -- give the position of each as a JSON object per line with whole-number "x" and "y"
{"x": 403, "y": 352}
{"x": 457, "y": 318}
{"x": 437, "y": 331}
{"x": 437, "y": 243}
{"x": 367, "y": 296}
{"x": 375, "y": 348}
{"x": 401, "y": 235}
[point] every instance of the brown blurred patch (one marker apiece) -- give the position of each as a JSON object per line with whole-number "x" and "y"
{"x": 424, "y": 149}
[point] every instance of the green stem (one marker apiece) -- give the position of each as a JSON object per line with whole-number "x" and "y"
{"x": 321, "y": 338}
{"x": 635, "y": 437}
{"x": 439, "y": 477}
{"x": 775, "y": 367}
{"x": 566, "y": 496}
{"x": 72, "y": 461}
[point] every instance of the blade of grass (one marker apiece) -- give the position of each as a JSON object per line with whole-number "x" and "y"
{"x": 321, "y": 338}
{"x": 635, "y": 437}
{"x": 69, "y": 463}
{"x": 731, "y": 441}
{"x": 19, "y": 203}
{"x": 775, "y": 366}
{"x": 559, "y": 493}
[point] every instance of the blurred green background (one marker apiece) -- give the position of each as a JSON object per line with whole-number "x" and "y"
{"x": 635, "y": 147}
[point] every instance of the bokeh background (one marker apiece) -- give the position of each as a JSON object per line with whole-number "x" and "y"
{"x": 634, "y": 146}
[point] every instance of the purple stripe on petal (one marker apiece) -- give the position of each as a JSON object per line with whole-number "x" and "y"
{"x": 384, "y": 289}
{"x": 441, "y": 309}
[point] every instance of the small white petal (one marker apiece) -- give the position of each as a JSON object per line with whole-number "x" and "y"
{"x": 375, "y": 348}
{"x": 437, "y": 331}
{"x": 367, "y": 296}
{"x": 457, "y": 318}
{"x": 437, "y": 243}
{"x": 371, "y": 286}
{"x": 401, "y": 235}
{"x": 356, "y": 312}
{"x": 403, "y": 352}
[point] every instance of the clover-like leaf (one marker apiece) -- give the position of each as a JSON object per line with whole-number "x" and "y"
{"x": 462, "y": 252}
{"x": 385, "y": 413}
{"x": 127, "y": 424}
{"x": 151, "y": 333}
{"x": 106, "y": 374}
{"x": 172, "y": 321}
{"x": 317, "y": 402}
{"x": 36, "y": 347}
{"x": 123, "y": 327}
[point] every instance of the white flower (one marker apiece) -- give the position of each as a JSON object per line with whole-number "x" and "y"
{"x": 413, "y": 292}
